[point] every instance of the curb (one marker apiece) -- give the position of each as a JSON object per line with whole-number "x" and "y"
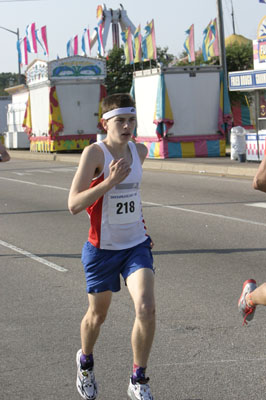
{"x": 178, "y": 165}
{"x": 201, "y": 168}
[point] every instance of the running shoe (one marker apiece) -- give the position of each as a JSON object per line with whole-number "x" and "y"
{"x": 139, "y": 391}
{"x": 247, "y": 311}
{"x": 86, "y": 384}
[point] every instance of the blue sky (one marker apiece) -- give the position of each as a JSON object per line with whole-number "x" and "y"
{"x": 66, "y": 18}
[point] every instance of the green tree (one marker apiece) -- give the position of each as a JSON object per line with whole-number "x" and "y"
{"x": 163, "y": 56}
{"x": 8, "y": 79}
{"x": 119, "y": 75}
{"x": 239, "y": 57}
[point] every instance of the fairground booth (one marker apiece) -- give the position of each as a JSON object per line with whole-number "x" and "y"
{"x": 253, "y": 82}
{"x": 61, "y": 101}
{"x": 182, "y": 111}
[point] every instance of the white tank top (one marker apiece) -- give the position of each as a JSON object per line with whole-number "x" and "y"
{"x": 116, "y": 218}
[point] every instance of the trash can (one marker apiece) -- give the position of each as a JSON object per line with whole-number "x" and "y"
{"x": 238, "y": 143}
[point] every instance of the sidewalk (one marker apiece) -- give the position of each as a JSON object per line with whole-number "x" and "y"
{"x": 221, "y": 166}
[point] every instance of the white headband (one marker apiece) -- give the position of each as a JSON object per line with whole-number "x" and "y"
{"x": 118, "y": 111}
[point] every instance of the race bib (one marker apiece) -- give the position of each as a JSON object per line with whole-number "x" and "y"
{"x": 123, "y": 208}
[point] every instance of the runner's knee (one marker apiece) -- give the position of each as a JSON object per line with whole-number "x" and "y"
{"x": 145, "y": 311}
{"x": 95, "y": 317}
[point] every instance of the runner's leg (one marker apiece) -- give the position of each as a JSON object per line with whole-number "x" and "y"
{"x": 258, "y": 296}
{"x": 141, "y": 288}
{"x": 90, "y": 326}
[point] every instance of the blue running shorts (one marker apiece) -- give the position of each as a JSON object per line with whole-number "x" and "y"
{"x": 103, "y": 267}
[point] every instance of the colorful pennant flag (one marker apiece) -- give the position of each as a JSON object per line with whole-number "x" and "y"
{"x": 76, "y": 45}
{"x": 128, "y": 48}
{"x": 210, "y": 45}
{"x": 19, "y": 51}
{"x": 214, "y": 41}
{"x": 41, "y": 37}
{"x": 148, "y": 43}
{"x": 100, "y": 42}
{"x": 137, "y": 45}
{"x": 31, "y": 38}
{"x": 22, "y": 48}
{"x": 86, "y": 42}
{"x": 206, "y": 42}
{"x": 189, "y": 44}
{"x": 99, "y": 30}
{"x": 72, "y": 46}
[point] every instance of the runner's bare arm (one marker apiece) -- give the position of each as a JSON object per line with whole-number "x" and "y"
{"x": 259, "y": 181}
{"x": 142, "y": 151}
{"x": 91, "y": 165}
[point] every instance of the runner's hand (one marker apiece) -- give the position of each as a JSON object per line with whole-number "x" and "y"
{"x": 119, "y": 170}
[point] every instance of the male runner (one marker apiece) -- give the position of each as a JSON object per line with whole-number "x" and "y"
{"x": 107, "y": 186}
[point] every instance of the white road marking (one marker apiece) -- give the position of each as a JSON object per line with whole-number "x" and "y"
{"x": 21, "y": 173}
{"x": 42, "y": 171}
{"x": 261, "y": 205}
{"x": 33, "y": 183}
{"x": 201, "y": 362}
{"x": 247, "y": 221}
{"x": 64, "y": 169}
{"x": 33, "y": 256}
{"x": 55, "y": 187}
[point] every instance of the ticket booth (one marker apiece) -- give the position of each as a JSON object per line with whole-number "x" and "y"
{"x": 254, "y": 82}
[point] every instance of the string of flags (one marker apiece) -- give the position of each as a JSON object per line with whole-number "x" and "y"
{"x": 137, "y": 47}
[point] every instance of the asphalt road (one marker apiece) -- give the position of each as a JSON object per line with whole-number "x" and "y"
{"x": 209, "y": 235}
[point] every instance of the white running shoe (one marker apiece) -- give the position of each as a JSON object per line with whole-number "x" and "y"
{"x": 139, "y": 391}
{"x": 86, "y": 384}
{"x": 247, "y": 311}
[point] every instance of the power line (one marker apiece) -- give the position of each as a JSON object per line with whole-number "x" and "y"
{"x": 17, "y": 1}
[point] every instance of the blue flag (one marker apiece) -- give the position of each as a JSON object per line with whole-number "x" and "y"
{"x": 262, "y": 1}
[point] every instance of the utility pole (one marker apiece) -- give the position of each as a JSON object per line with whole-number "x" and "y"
{"x": 17, "y": 34}
{"x": 233, "y": 18}
{"x": 221, "y": 40}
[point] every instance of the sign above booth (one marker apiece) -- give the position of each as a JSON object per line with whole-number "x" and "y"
{"x": 77, "y": 67}
{"x": 247, "y": 80}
